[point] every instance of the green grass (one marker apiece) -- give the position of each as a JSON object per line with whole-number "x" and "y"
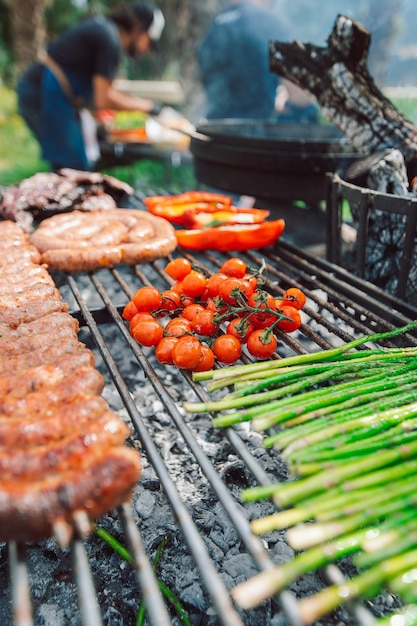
{"x": 19, "y": 153}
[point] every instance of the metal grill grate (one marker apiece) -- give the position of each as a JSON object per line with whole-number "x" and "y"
{"x": 340, "y": 307}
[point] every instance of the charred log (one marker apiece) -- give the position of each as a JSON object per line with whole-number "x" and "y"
{"x": 337, "y": 75}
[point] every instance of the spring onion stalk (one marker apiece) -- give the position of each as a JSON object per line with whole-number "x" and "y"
{"x": 335, "y": 372}
{"x": 262, "y": 586}
{"x": 288, "y": 493}
{"x": 357, "y": 406}
{"x": 404, "y": 616}
{"x": 308, "y": 535}
{"x": 264, "y": 414}
{"x": 234, "y": 371}
{"x": 405, "y": 585}
{"x": 388, "y": 418}
{"x": 362, "y": 443}
{"x": 352, "y": 438}
{"x": 397, "y": 542}
{"x": 166, "y": 592}
{"x": 367, "y": 584}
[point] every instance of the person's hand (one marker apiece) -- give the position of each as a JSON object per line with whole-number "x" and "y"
{"x": 156, "y": 109}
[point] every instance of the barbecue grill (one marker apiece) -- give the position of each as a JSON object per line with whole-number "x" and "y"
{"x": 340, "y": 307}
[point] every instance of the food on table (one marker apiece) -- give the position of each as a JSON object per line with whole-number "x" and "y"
{"x": 79, "y": 242}
{"x": 203, "y": 319}
{"x": 62, "y": 452}
{"x": 212, "y": 222}
{"x": 235, "y": 237}
{"x": 47, "y": 193}
{"x": 348, "y": 432}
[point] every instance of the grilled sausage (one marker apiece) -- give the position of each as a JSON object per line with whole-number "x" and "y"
{"x": 41, "y": 275}
{"x": 52, "y": 424}
{"x": 70, "y": 452}
{"x": 21, "y": 382}
{"x": 147, "y": 238}
{"x": 47, "y": 354}
{"x": 20, "y": 257}
{"x": 45, "y": 324}
{"x": 36, "y": 292}
{"x": 13, "y": 316}
{"x": 83, "y": 380}
{"x": 22, "y": 345}
{"x": 29, "y": 510}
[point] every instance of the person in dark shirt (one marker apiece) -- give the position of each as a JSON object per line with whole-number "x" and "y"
{"x": 77, "y": 73}
{"x": 234, "y": 64}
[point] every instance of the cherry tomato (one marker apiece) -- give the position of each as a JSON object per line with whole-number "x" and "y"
{"x": 148, "y": 332}
{"x": 147, "y": 299}
{"x": 140, "y": 317}
{"x": 240, "y": 329}
{"x": 261, "y": 345}
{"x": 293, "y": 297}
{"x": 163, "y": 350}
{"x": 261, "y": 300}
{"x": 177, "y": 287}
{"x": 178, "y": 326}
{"x": 234, "y": 267}
{"x": 191, "y": 310}
{"x": 227, "y": 348}
{"x": 171, "y": 300}
{"x": 178, "y": 268}
{"x": 194, "y": 284}
{"x": 252, "y": 280}
{"x": 203, "y": 324}
{"x": 230, "y": 287}
{"x": 206, "y": 361}
{"x": 129, "y": 311}
{"x": 213, "y": 284}
{"x": 186, "y": 353}
{"x": 294, "y": 321}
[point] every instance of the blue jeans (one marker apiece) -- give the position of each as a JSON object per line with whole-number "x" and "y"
{"x": 52, "y": 119}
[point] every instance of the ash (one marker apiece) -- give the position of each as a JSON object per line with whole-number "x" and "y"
{"x": 54, "y": 594}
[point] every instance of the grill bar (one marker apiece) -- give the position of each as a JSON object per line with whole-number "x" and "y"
{"x": 215, "y": 586}
{"x": 340, "y": 308}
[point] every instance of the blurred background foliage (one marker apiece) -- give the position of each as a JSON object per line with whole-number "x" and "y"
{"x": 25, "y": 25}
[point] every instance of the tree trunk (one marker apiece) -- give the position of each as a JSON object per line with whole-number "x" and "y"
{"x": 338, "y": 77}
{"x": 28, "y": 30}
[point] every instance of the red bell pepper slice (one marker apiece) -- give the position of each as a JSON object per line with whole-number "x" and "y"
{"x": 214, "y": 216}
{"x": 173, "y": 207}
{"x": 235, "y": 237}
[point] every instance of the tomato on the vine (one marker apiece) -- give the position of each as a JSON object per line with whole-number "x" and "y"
{"x": 178, "y": 326}
{"x": 163, "y": 350}
{"x": 213, "y": 284}
{"x": 206, "y": 361}
{"x": 191, "y": 310}
{"x": 240, "y": 328}
{"x": 148, "y": 332}
{"x": 178, "y": 268}
{"x": 194, "y": 284}
{"x": 294, "y": 321}
{"x": 227, "y": 348}
{"x": 147, "y": 299}
{"x": 203, "y": 323}
{"x": 140, "y": 317}
{"x": 186, "y": 352}
{"x": 261, "y": 344}
{"x": 234, "y": 267}
{"x": 171, "y": 300}
{"x": 293, "y": 297}
{"x": 230, "y": 289}
{"x": 129, "y": 311}
{"x": 262, "y": 301}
